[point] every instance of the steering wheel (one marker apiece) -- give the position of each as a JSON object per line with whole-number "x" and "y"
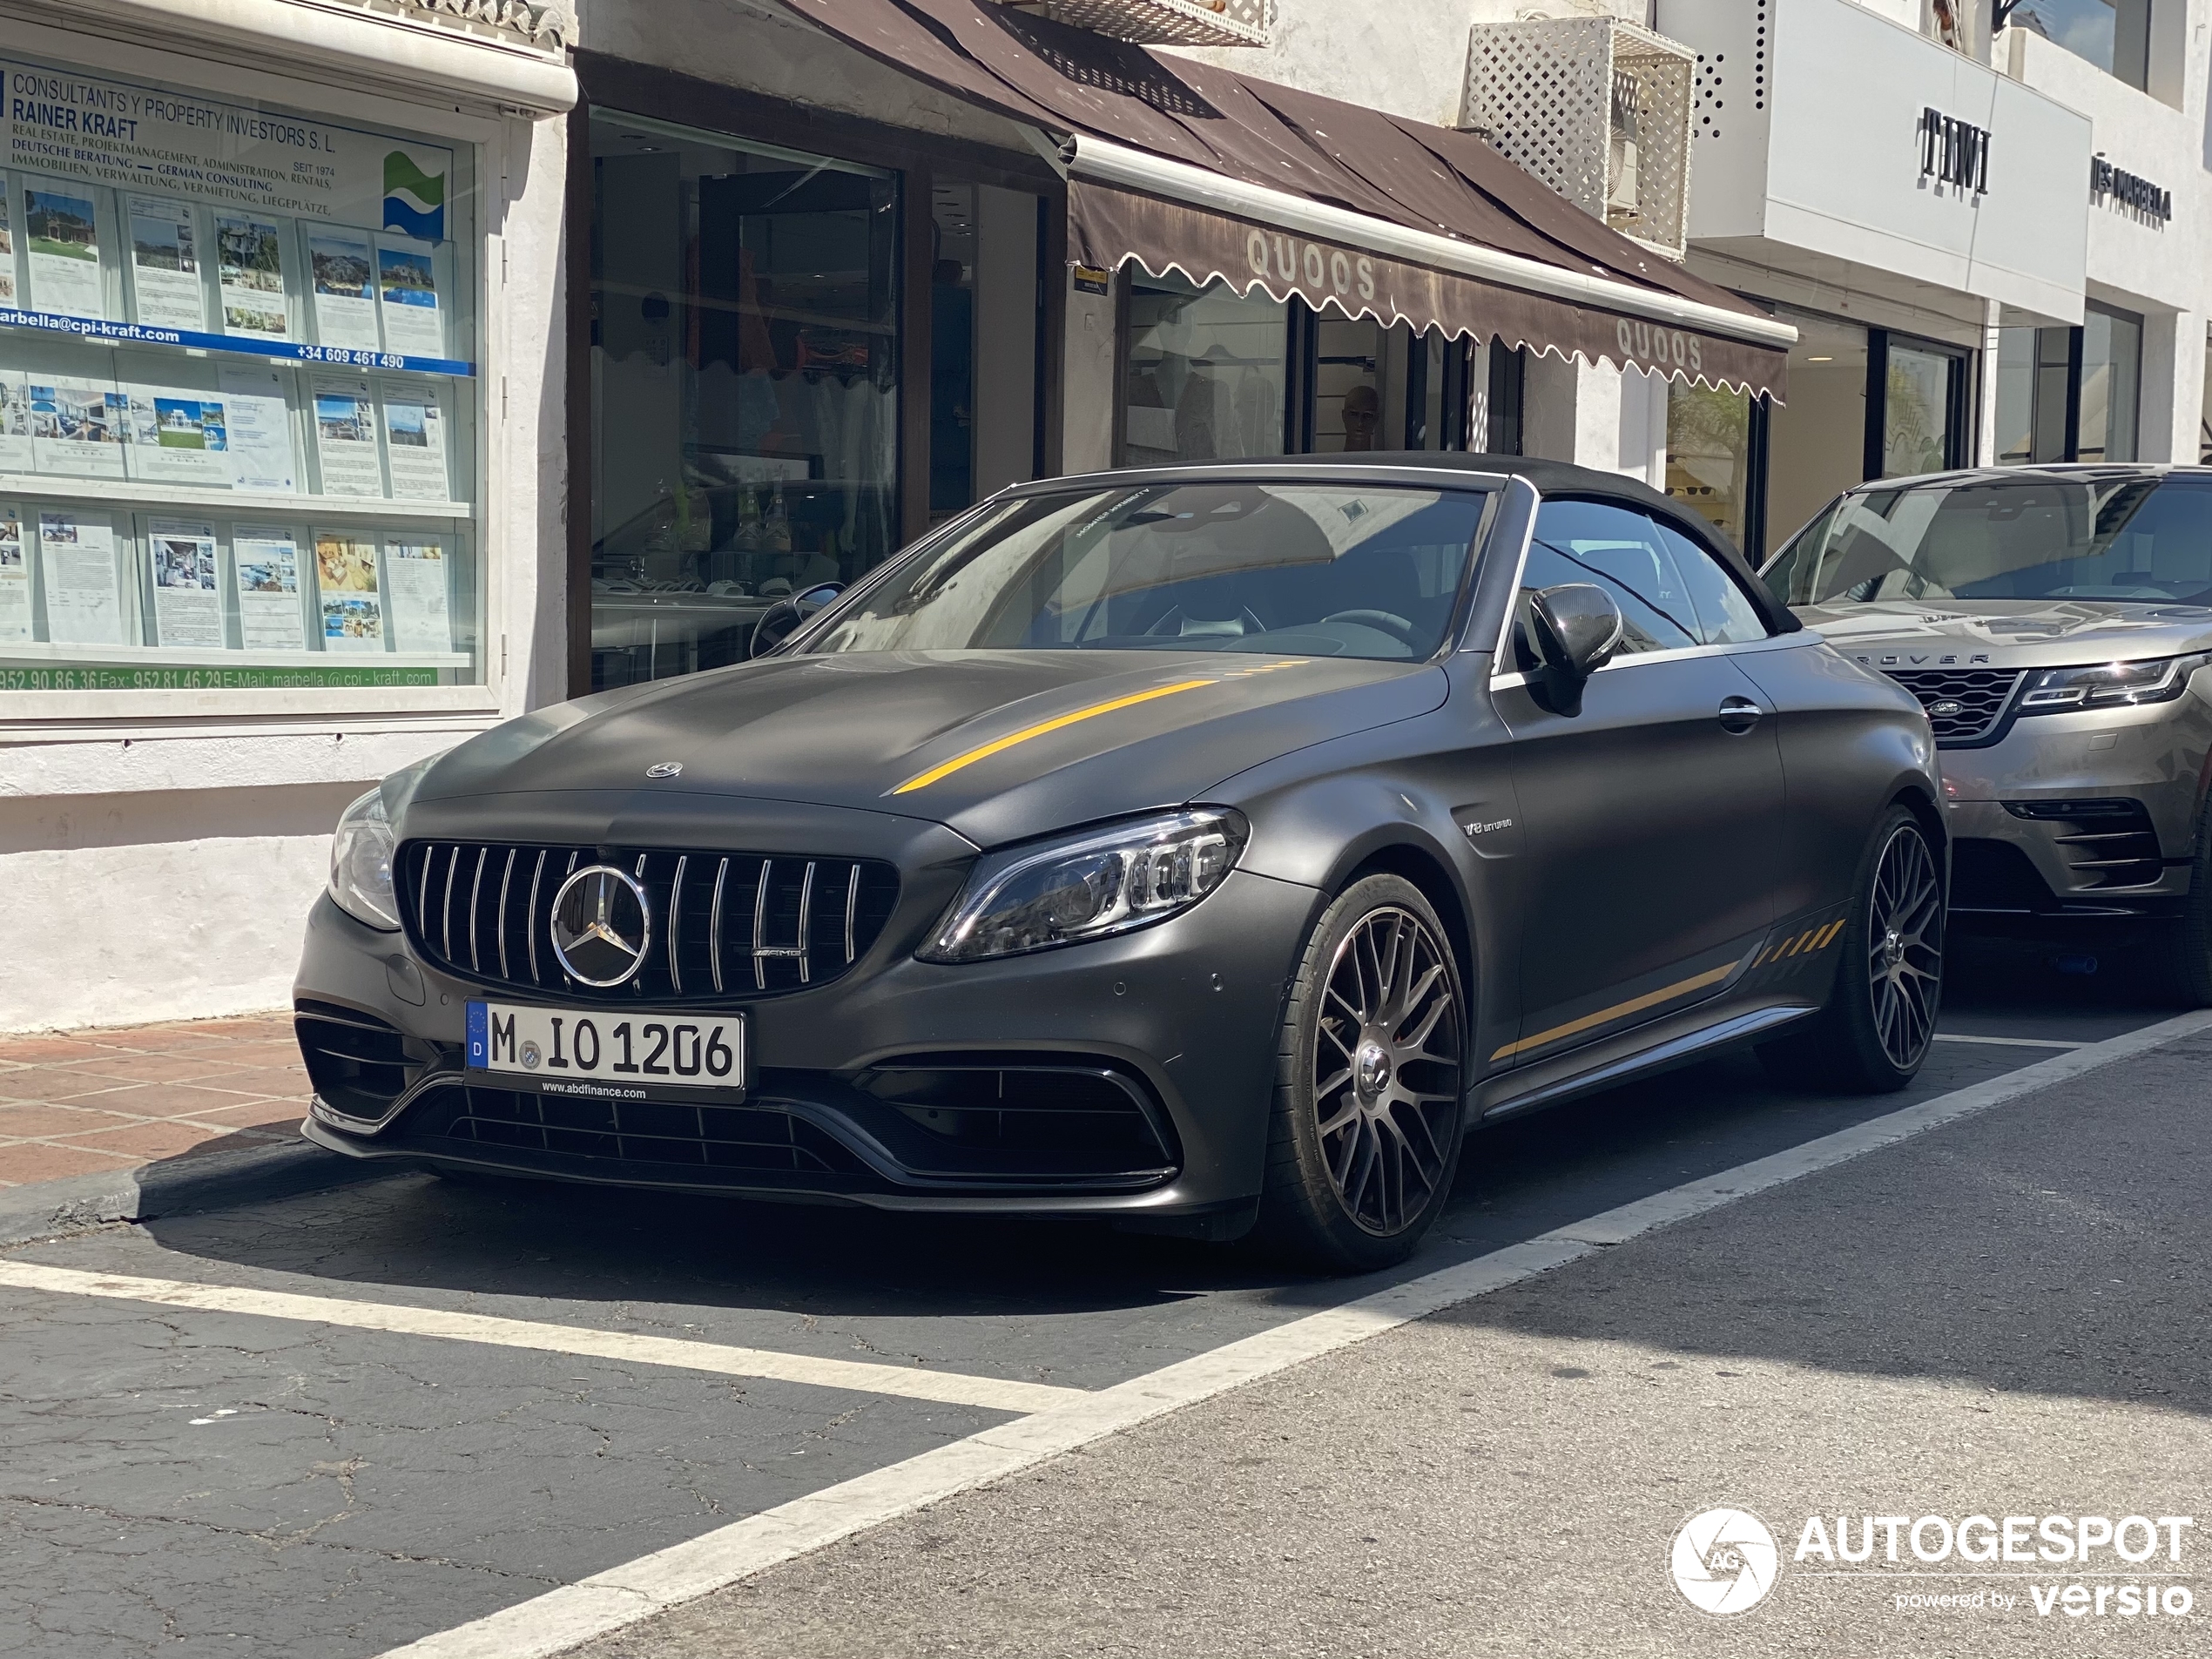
{"x": 1384, "y": 621}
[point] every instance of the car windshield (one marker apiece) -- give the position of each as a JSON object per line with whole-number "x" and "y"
{"x": 2096, "y": 536}
{"x": 1316, "y": 569}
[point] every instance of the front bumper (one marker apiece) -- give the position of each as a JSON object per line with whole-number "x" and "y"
{"x": 2123, "y": 788}
{"x": 1160, "y": 1045}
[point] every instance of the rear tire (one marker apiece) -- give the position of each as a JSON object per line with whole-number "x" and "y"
{"x": 1879, "y": 1021}
{"x": 2182, "y": 958}
{"x": 1365, "y": 1137}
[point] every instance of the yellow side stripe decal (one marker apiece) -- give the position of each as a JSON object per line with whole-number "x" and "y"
{"x": 1634, "y": 1005}
{"x": 998, "y": 746}
{"x": 1809, "y": 941}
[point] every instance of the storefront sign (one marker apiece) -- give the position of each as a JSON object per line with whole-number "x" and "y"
{"x": 1108, "y": 225}
{"x": 1954, "y": 152}
{"x": 2119, "y": 188}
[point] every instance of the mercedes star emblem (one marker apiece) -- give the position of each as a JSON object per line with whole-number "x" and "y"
{"x": 602, "y": 925}
{"x": 665, "y": 769}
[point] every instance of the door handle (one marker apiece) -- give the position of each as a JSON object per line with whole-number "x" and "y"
{"x": 1739, "y": 714}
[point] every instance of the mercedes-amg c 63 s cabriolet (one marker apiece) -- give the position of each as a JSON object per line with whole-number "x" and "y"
{"x": 1199, "y": 849}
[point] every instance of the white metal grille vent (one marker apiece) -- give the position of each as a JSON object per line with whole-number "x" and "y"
{"x": 1163, "y": 22}
{"x": 1596, "y": 109}
{"x": 1708, "y": 103}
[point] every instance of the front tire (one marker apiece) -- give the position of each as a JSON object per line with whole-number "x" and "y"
{"x": 1366, "y": 1130}
{"x": 1880, "y": 1019}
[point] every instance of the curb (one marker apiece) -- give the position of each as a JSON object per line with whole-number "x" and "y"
{"x": 175, "y": 1186}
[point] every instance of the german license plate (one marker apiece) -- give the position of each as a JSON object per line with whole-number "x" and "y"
{"x": 607, "y": 1051}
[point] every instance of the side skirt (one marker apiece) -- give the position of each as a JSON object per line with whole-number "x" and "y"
{"x": 1489, "y": 1105}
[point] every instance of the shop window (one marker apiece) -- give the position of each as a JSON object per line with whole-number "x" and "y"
{"x": 1709, "y": 462}
{"x": 238, "y": 406}
{"x": 1352, "y": 385}
{"x": 1508, "y": 387}
{"x": 745, "y": 388}
{"x": 2115, "y": 35}
{"x": 2111, "y": 380}
{"x": 1918, "y": 410}
{"x": 1206, "y": 373}
{"x": 1816, "y": 442}
{"x": 2071, "y": 394}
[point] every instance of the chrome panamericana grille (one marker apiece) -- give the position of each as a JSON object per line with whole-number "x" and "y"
{"x": 724, "y": 925}
{"x": 1982, "y": 696}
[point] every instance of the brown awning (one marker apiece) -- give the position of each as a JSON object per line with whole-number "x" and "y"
{"x": 1181, "y": 166}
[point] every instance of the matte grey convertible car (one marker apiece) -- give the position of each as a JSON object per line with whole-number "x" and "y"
{"x": 1191, "y": 848}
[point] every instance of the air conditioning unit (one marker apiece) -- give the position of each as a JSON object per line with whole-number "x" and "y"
{"x": 1597, "y": 108}
{"x": 1163, "y": 23}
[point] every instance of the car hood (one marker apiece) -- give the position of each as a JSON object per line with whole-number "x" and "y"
{"x": 996, "y": 744}
{"x": 2007, "y": 633}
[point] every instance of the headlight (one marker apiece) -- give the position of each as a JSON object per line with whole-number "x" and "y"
{"x": 1105, "y": 882}
{"x": 361, "y": 863}
{"x": 2105, "y": 685}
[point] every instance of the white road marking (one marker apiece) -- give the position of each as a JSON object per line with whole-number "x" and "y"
{"x": 623, "y": 1595}
{"x": 2011, "y": 1042}
{"x": 909, "y": 1382}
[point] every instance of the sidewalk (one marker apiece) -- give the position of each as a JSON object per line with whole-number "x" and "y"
{"x": 115, "y": 1099}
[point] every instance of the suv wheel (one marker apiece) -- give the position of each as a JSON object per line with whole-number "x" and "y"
{"x": 1880, "y": 1017}
{"x": 1365, "y": 1137}
{"x": 2184, "y": 950}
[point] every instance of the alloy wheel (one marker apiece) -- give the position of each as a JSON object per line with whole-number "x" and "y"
{"x": 1905, "y": 946}
{"x": 1386, "y": 1070}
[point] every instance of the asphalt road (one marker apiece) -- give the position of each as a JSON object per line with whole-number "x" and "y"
{"x": 201, "y": 1475}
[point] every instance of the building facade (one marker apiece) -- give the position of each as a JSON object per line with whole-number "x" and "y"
{"x": 373, "y": 370}
{"x": 281, "y": 378}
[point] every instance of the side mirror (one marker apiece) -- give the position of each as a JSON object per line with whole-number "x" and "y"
{"x": 781, "y": 620}
{"x": 1576, "y": 627}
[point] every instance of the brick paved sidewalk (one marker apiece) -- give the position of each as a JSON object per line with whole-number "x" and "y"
{"x": 78, "y": 1102}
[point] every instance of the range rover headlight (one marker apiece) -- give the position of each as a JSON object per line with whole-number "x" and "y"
{"x": 1091, "y": 886}
{"x": 2107, "y": 685}
{"x": 361, "y": 864}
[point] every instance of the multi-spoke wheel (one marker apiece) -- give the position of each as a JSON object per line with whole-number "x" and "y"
{"x": 1904, "y": 947}
{"x": 1366, "y": 1134}
{"x": 1880, "y": 1016}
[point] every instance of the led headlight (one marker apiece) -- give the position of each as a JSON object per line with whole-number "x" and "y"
{"x": 361, "y": 863}
{"x": 2105, "y": 685}
{"x": 1089, "y": 887}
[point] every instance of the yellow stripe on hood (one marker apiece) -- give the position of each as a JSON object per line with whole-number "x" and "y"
{"x": 924, "y": 780}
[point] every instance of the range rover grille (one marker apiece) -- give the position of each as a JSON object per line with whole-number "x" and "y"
{"x": 1971, "y": 700}
{"x": 724, "y": 925}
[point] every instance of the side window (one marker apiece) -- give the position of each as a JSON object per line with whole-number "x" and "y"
{"x": 1725, "y": 613}
{"x": 1621, "y": 551}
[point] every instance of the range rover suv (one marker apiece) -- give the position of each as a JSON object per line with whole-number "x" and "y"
{"x": 2055, "y": 624}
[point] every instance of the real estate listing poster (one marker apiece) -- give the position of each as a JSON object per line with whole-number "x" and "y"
{"x": 249, "y": 258}
{"x": 187, "y": 603}
{"x": 352, "y": 607}
{"x": 267, "y": 559}
{"x": 15, "y": 576}
{"x": 345, "y": 288}
{"x": 179, "y": 437}
{"x": 414, "y": 316}
{"x": 345, "y": 438}
{"x": 62, "y": 235}
{"x": 164, "y": 265}
{"x": 259, "y": 430}
{"x": 415, "y": 570}
{"x": 84, "y": 595}
{"x": 415, "y": 441}
{"x": 7, "y": 248}
{"x": 78, "y": 428}
{"x": 14, "y": 420}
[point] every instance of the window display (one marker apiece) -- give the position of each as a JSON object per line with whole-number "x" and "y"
{"x": 1207, "y": 373}
{"x": 238, "y": 409}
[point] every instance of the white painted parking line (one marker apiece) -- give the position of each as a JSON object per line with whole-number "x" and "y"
{"x": 2010, "y": 1042}
{"x": 910, "y": 1382}
{"x": 623, "y": 1595}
